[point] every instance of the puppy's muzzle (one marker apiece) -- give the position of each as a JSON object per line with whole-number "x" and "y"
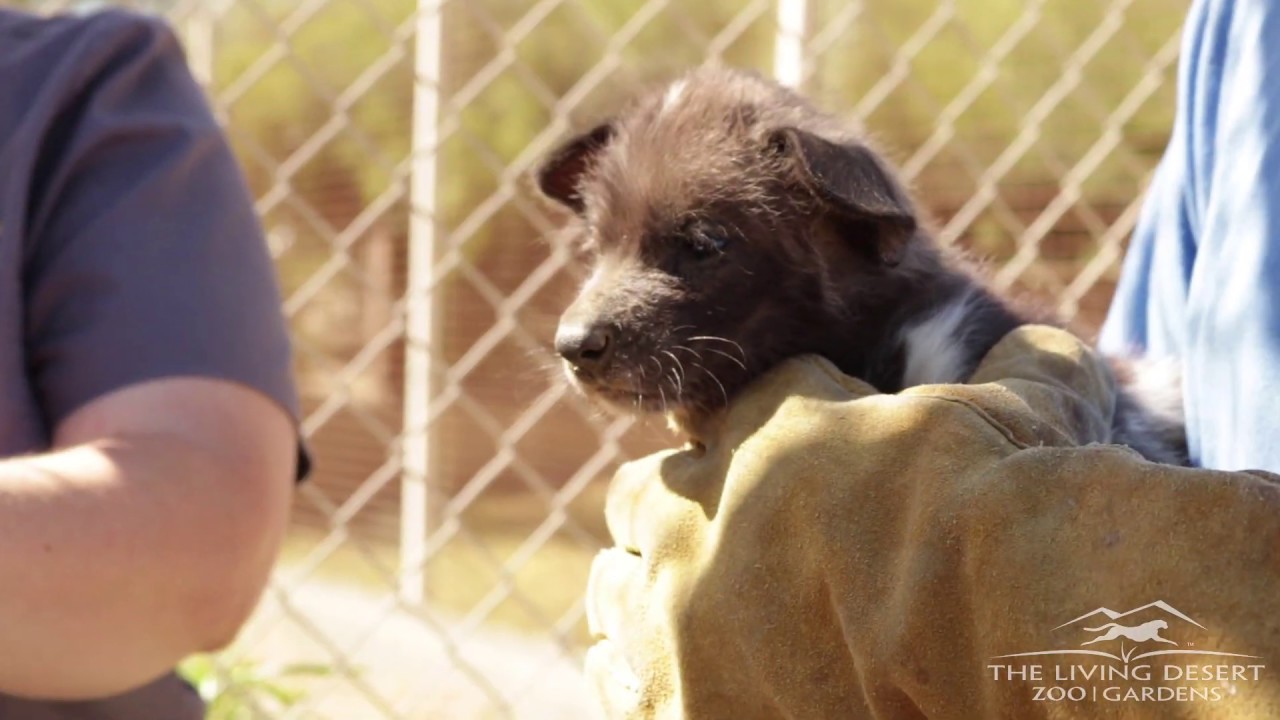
{"x": 588, "y": 349}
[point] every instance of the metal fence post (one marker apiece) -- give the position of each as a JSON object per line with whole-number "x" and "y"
{"x": 422, "y": 312}
{"x": 200, "y": 35}
{"x": 788, "y": 43}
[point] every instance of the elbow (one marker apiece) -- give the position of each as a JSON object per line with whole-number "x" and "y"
{"x": 216, "y": 619}
{"x": 238, "y": 559}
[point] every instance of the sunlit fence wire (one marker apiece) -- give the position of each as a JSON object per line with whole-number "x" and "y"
{"x": 440, "y": 550}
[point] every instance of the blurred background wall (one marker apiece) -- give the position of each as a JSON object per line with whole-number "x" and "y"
{"x": 438, "y": 553}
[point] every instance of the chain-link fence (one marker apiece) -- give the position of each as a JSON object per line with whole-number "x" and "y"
{"x": 438, "y": 554}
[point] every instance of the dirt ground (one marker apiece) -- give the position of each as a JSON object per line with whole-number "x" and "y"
{"x": 389, "y": 663}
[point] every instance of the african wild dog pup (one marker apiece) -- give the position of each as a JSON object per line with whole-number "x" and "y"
{"x": 733, "y": 225}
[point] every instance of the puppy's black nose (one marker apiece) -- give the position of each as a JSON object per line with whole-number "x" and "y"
{"x": 586, "y": 348}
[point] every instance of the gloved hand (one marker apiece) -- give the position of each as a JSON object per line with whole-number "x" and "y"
{"x": 836, "y": 553}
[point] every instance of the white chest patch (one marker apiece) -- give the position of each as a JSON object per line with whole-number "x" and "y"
{"x": 1157, "y": 386}
{"x": 932, "y": 346}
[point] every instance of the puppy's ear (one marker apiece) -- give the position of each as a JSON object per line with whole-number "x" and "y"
{"x": 560, "y": 175}
{"x": 855, "y": 185}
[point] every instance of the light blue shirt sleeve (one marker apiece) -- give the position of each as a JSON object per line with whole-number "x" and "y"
{"x": 1202, "y": 277}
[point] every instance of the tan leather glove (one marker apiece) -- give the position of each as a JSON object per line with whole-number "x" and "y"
{"x": 835, "y": 553}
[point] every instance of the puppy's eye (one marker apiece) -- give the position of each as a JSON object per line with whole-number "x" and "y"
{"x": 707, "y": 245}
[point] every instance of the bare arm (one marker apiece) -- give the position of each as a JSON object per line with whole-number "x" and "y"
{"x": 146, "y": 534}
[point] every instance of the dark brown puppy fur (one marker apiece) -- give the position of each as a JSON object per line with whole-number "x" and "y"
{"x": 733, "y": 225}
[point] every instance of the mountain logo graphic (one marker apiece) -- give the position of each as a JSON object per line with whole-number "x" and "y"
{"x": 1141, "y": 633}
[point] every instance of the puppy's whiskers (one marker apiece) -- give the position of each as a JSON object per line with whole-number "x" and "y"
{"x": 661, "y": 377}
{"x": 715, "y": 380}
{"x": 738, "y": 362}
{"x": 679, "y": 387}
{"x": 716, "y": 338}
{"x": 657, "y": 363}
{"x": 677, "y": 372}
{"x": 636, "y": 398}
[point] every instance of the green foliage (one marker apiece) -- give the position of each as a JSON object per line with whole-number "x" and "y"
{"x": 246, "y": 690}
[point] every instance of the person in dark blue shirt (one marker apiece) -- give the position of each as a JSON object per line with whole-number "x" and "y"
{"x": 1201, "y": 281}
{"x": 148, "y": 441}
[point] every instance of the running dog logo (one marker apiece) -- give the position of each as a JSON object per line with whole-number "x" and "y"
{"x": 1145, "y": 632}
